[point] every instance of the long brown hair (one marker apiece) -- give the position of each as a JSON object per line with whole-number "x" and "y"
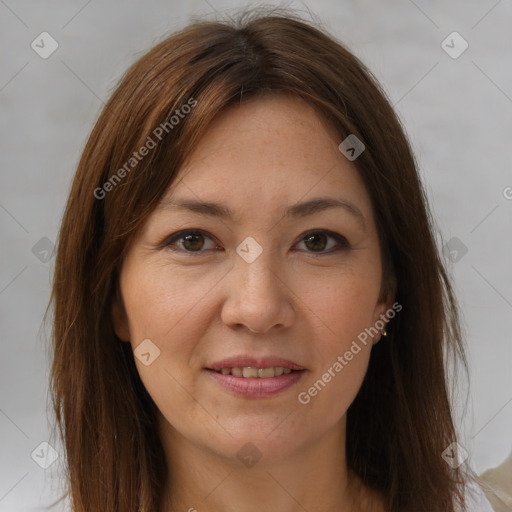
{"x": 401, "y": 420}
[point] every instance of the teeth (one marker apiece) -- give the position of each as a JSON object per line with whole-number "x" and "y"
{"x": 251, "y": 372}
{"x": 265, "y": 372}
{"x": 237, "y": 372}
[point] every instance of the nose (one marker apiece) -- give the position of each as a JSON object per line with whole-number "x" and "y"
{"x": 258, "y": 296}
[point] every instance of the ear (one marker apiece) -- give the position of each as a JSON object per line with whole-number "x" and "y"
{"x": 388, "y": 293}
{"x": 385, "y": 303}
{"x": 120, "y": 319}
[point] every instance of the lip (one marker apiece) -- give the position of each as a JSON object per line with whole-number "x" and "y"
{"x": 262, "y": 362}
{"x": 256, "y": 387}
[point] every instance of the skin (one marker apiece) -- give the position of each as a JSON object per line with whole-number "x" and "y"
{"x": 300, "y": 300}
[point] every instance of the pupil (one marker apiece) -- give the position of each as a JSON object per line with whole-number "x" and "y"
{"x": 316, "y": 246}
{"x": 188, "y": 238}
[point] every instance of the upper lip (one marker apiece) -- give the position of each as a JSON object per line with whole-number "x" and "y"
{"x": 254, "y": 362}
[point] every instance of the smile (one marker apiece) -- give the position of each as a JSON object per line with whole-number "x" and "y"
{"x": 251, "y": 382}
{"x": 251, "y": 372}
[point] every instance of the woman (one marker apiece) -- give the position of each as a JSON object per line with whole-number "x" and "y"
{"x": 249, "y": 308}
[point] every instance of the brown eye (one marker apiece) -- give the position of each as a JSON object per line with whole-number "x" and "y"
{"x": 316, "y": 242}
{"x": 319, "y": 242}
{"x": 192, "y": 242}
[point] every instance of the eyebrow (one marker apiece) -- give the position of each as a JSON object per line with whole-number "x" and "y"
{"x": 295, "y": 211}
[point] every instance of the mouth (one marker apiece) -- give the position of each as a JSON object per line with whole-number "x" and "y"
{"x": 255, "y": 377}
{"x": 255, "y": 382}
{"x": 250, "y": 372}
{"x": 252, "y": 367}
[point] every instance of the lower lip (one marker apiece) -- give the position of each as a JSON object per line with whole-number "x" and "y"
{"x": 257, "y": 387}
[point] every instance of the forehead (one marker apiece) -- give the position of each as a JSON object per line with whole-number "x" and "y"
{"x": 268, "y": 152}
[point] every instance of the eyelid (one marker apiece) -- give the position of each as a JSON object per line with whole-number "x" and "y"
{"x": 343, "y": 243}
{"x": 178, "y": 235}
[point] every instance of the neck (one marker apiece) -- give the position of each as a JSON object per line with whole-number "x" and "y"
{"x": 314, "y": 478}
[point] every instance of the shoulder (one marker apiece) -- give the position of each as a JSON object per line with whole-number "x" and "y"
{"x": 497, "y": 484}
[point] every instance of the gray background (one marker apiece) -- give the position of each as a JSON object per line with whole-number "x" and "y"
{"x": 457, "y": 113}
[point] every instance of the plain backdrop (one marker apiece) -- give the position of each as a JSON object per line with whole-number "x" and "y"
{"x": 457, "y": 113}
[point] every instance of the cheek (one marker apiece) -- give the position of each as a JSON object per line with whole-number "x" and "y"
{"x": 343, "y": 302}
{"x": 170, "y": 309}
{"x": 342, "y": 360}
{"x": 343, "y": 307}
{"x": 324, "y": 400}
{"x": 159, "y": 302}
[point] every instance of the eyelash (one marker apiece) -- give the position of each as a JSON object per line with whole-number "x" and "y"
{"x": 170, "y": 241}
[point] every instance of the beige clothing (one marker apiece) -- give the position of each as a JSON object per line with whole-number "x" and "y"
{"x": 497, "y": 484}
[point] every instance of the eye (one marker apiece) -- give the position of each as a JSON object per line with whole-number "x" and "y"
{"x": 188, "y": 241}
{"x": 195, "y": 242}
{"x": 318, "y": 241}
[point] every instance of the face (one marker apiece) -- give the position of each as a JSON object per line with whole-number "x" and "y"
{"x": 262, "y": 281}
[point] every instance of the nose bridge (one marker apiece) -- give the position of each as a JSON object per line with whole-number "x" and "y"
{"x": 257, "y": 276}
{"x": 256, "y": 297}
